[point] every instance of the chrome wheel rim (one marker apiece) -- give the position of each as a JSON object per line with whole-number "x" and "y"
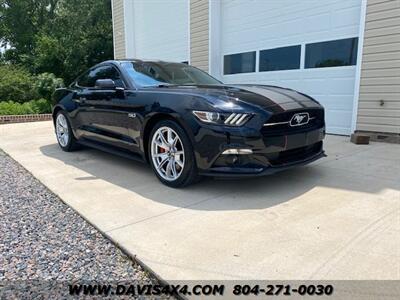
{"x": 167, "y": 153}
{"x": 62, "y": 130}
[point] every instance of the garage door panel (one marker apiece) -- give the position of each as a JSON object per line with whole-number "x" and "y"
{"x": 158, "y": 35}
{"x": 339, "y": 117}
{"x": 318, "y": 21}
{"x": 349, "y": 16}
{"x": 339, "y": 130}
{"x": 314, "y": 86}
{"x": 265, "y": 25}
{"x": 339, "y": 121}
{"x": 267, "y": 19}
{"x": 340, "y": 86}
{"x": 338, "y": 102}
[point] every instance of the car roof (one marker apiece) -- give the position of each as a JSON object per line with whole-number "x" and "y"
{"x": 161, "y": 62}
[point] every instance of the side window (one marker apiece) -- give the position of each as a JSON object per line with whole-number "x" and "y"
{"x": 116, "y": 76}
{"x": 240, "y": 63}
{"x": 332, "y": 53}
{"x": 83, "y": 80}
{"x": 285, "y": 58}
{"x": 102, "y": 72}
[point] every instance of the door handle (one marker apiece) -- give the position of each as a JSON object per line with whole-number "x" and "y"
{"x": 80, "y": 100}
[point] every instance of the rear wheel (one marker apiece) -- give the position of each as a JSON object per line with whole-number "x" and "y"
{"x": 64, "y": 134}
{"x": 171, "y": 155}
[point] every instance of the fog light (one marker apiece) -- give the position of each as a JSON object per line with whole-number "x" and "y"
{"x": 237, "y": 151}
{"x": 231, "y": 159}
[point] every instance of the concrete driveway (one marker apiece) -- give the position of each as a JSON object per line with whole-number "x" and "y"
{"x": 338, "y": 218}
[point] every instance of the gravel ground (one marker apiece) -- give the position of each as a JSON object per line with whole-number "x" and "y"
{"x": 43, "y": 239}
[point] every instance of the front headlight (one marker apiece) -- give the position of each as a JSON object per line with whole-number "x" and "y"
{"x": 228, "y": 119}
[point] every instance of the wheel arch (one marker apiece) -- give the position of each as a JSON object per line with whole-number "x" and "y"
{"x": 152, "y": 121}
{"x": 56, "y": 109}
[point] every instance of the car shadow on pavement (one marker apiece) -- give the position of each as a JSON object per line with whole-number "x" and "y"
{"x": 216, "y": 194}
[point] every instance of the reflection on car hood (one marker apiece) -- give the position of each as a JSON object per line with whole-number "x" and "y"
{"x": 264, "y": 96}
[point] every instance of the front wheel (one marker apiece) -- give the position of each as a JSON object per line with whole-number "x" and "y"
{"x": 171, "y": 155}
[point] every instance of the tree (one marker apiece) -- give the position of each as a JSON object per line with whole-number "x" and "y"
{"x": 16, "y": 84}
{"x": 21, "y": 20}
{"x": 63, "y": 37}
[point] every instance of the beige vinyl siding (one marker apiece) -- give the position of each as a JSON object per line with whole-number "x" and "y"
{"x": 379, "y": 100}
{"x": 118, "y": 29}
{"x": 199, "y": 37}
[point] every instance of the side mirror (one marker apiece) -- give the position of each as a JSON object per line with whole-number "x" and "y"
{"x": 105, "y": 84}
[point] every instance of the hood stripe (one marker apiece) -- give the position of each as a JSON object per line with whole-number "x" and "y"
{"x": 294, "y": 98}
{"x": 280, "y": 98}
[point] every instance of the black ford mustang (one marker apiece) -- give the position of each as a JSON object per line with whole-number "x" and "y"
{"x": 185, "y": 123}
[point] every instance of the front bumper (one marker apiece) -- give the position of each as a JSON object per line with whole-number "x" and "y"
{"x": 261, "y": 171}
{"x": 270, "y": 153}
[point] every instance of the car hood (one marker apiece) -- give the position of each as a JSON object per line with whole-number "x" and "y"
{"x": 274, "y": 98}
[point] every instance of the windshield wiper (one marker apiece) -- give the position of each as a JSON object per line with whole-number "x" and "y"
{"x": 166, "y": 85}
{"x": 163, "y": 85}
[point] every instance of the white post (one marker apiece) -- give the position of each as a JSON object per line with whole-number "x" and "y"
{"x": 129, "y": 26}
{"x": 189, "y": 44}
{"x": 214, "y": 38}
{"x": 358, "y": 67}
{"x": 113, "y": 27}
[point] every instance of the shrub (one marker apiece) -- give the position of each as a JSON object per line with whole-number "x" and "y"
{"x": 15, "y": 108}
{"x": 16, "y": 84}
{"x": 46, "y": 84}
{"x": 40, "y": 106}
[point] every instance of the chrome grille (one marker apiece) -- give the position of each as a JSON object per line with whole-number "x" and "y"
{"x": 279, "y": 123}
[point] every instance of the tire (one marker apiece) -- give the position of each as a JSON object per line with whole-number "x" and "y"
{"x": 171, "y": 154}
{"x": 65, "y": 137}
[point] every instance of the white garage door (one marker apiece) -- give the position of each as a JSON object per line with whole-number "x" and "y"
{"x": 160, "y": 29}
{"x": 310, "y": 46}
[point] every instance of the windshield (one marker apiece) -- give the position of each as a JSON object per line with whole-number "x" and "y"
{"x": 147, "y": 74}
